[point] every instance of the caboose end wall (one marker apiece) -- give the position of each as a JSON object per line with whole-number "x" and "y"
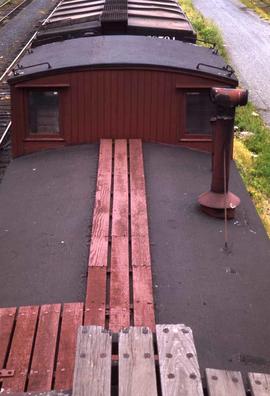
{"x": 82, "y": 106}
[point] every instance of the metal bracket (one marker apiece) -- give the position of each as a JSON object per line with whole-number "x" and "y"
{"x": 4, "y": 373}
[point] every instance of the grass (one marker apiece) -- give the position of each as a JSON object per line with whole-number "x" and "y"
{"x": 252, "y": 140}
{"x": 260, "y": 7}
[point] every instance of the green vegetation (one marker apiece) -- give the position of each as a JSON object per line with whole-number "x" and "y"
{"x": 262, "y": 7}
{"x": 252, "y": 141}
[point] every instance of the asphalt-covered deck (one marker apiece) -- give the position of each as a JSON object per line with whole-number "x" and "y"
{"x": 45, "y": 206}
{"x": 46, "y": 203}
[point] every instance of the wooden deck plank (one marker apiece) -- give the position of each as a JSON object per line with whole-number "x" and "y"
{"x": 7, "y": 317}
{"x": 143, "y": 302}
{"x": 259, "y": 384}
{"x": 179, "y": 368}
{"x": 95, "y": 302}
{"x": 224, "y": 383}
{"x": 101, "y": 216}
{"x": 140, "y": 250}
{"x": 138, "y": 209}
{"x": 119, "y": 281}
{"x": 137, "y": 375}
{"x": 98, "y": 256}
{"x": 42, "y": 367}
{"x": 119, "y": 286}
{"x": 21, "y": 347}
{"x": 72, "y": 318}
{"x": 120, "y": 190}
{"x": 92, "y": 373}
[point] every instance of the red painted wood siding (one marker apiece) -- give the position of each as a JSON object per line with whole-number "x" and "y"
{"x": 145, "y": 104}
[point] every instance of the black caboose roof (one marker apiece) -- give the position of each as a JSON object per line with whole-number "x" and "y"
{"x": 74, "y": 18}
{"x": 114, "y": 51}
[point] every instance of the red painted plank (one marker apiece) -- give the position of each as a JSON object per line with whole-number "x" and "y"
{"x": 41, "y": 374}
{"x": 98, "y": 255}
{"x": 21, "y": 347}
{"x": 72, "y": 318}
{"x": 7, "y": 316}
{"x": 143, "y": 297}
{"x": 139, "y": 220}
{"x": 141, "y": 260}
{"x": 95, "y": 302}
{"x": 101, "y": 217}
{"x": 140, "y": 251}
{"x": 120, "y": 190}
{"x": 119, "y": 286}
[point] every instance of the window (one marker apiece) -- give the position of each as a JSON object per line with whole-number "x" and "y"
{"x": 199, "y": 111}
{"x": 43, "y": 105}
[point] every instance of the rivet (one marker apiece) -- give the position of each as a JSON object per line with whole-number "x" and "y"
{"x": 145, "y": 330}
{"x": 169, "y": 355}
{"x": 84, "y": 330}
{"x": 82, "y": 355}
{"x": 166, "y": 330}
{"x": 214, "y": 377}
{"x": 103, "y": 355}
{"x": 193, "y": 376}
{"x": 258, "y": 382}
{"x": 125, "y": 331}
{"x": 171, "y": 375}
{"x": 189, "y": 355}
{"x": 185, "y": 331}
{"x": 126, "y": 355}
{"x": 234, "y": 379}
{"x": 147, "y": 355}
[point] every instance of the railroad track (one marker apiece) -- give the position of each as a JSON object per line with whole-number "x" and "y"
{"x": 10, "y": 8}
{"x": 5, "y": 106}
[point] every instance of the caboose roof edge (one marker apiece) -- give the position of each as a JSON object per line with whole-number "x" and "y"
{"x": 122, "y": 50}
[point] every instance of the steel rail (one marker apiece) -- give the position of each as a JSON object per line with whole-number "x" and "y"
{"x": 15, "y": 61}
{"x": 13, "y": 10}
{"x": 3, "y": 4}
{"x": 27, "y": 45}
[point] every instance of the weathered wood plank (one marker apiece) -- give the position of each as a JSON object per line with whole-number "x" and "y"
{"x": 119, "y": 281}
{"x": 92, "y": 373}
{"x": 119, "y": 286}
{"x": 72, "y": 318}
{"x": 140, "y": 250}
{"x": 224, "y": 383}
{"x": 7, "y": 316}
{"x": 138, "y": 206}
{"x": 21, "y": 347}
{"x": 41, "y": 373}
{"x": 137, "y": 375}
{"x": 143, "y": 301}
{"x": 101, "y": 216}
{"x": 179, "y": 368}
{"x": 98, "y": 255}
{"x": 120, "y": 190}
{"x": 95, "y": 301}
{"x": 259, "y": 384}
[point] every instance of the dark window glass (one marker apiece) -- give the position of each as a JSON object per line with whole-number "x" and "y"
{"x": 199, "y": 111}
{"x": 43, "y": 108}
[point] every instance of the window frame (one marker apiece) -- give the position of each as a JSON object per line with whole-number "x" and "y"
{"x": 185, "y": 135}
{"x": 49, "y": 137}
